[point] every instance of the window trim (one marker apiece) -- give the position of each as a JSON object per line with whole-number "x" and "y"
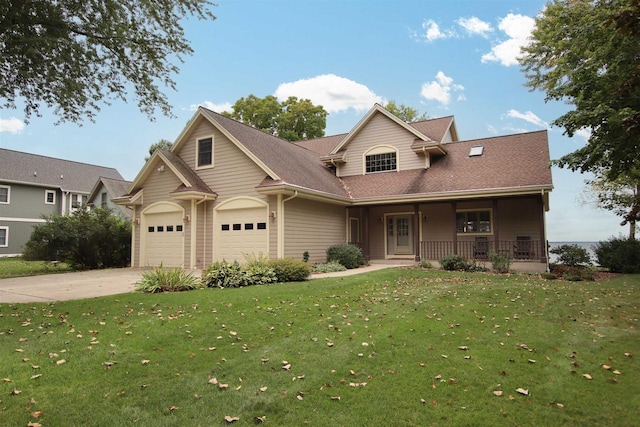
{"x": 6, "y": 236}
{"x": 46, "y": 199}
{"x": 475, "y": 233}
{"x": 204, "y": 166}
{"x": 8, "y": 202}
{"x": 377, "y": 150}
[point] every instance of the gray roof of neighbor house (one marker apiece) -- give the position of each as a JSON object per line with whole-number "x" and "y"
{"x": 115, "y": 188}
{"x": 32, "y": 169}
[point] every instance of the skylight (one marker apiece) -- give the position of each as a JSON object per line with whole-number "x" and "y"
{"x": 476, "y": 150}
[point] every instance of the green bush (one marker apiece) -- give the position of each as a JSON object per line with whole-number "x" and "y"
{"x": 290, "y": 269}
{"x": 171, "y": 280}
{"x": 223, "y": 274}
{"x": 329, "y": 267}
{"x": 500, "y": 262}
{"x": 455, "y": 262}
{"x": 619, "y": 255}
{"x": 346, "y": 254}
{"x": 426, "y": 264}
{"x": 260, "y": 274}
{"x": 571, "y": 255}
{"x": 84, "y": 239}
{"x": 548, "y": 276}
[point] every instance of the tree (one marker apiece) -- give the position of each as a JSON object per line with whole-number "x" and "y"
{"x": 621, "y": 196}
{"x": 405, "y": 113}
{"x": 75, "y": 55}
{"x": 293, "y": 119}
{"x": 585, "y": 52}
{"x": 164, "y": 144}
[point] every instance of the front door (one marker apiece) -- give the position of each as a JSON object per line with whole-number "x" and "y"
{"x": 399, "y": 235}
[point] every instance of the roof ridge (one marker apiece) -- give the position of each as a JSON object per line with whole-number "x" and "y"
{"x": 58, "y": 159}
{"x": 510, "y": 135}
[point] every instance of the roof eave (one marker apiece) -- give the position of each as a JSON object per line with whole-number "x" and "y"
{"x": 306, "y": 193}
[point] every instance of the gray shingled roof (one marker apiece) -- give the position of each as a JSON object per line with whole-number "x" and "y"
{"x": 19, "y": 167}
{"x": 197, "y": 184}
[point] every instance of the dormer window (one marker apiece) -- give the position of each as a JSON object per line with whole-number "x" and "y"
{"x": 381, "y": 159}
{"x": 205, "y": 153}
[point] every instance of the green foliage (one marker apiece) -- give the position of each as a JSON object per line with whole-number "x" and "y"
{"x": 329, "y": 267}
{"x": 294, "y": 119}
{"x": 548, "y": 276}
{"x": 84, "y": 239}
{"x": 585, "y": 53}
{"x": 405, "y": 113}
{"x": 290, "y": 269}
{"x": 425, "y": 264}
{"x": 455, "y": 262}
{"x": 346, "y": 254}
{"x": 305, "y": 256}
{"x": 571, "y": 255}
{"x": 223, "y": 274}
{"x": 163, "y": 144}
{"x": 161, "y": 279}
{"x": 72, "y": 56}
{"x": 619, "y": 255}
{"x": 500, "y": 262}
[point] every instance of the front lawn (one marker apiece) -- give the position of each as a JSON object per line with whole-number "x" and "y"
{"x": 17, "y": 267}
{"x": 402, "y": 347}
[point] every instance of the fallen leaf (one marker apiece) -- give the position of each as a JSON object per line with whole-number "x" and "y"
{"x": 299, "y": 397}
{"x": 423, "y": 401}
{"x": 15, "y": 392}
{"x": 329, "y": 344}
{"x": 352, "y": 372}
{"x": 36, "y": 414}
{"x": 6, "y": 380}
{"x": 60, "y": 362}
{"x": 173, "y": 408}
{"x": 617, "y": 372}
{"x": 587, "y": 376}
{"x": 463, "y": 348}
{"x": 286, "y": 367}
{"x": 523, "y": 391}
{"x": 263, "y": 389}
{"x": 498, "y": 393}
{"x": 33, "y": 377}
{"x": 34, "y": 425}
{"x": 335, "y": 397}
{"x": 607, "y": 367}
{"x": 628, "y": 355}
{"x": 223, "y": 386}
{"x": 259, "y": 420}
{"x": 145, "y": 362}
{"x": 531, "y": 361}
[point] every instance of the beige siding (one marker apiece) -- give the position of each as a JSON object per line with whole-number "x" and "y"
{"x": 312, "y": 226}
{"x": 439, "y": 225}
{"x": 272, "y": 225}
{"x": 519, "y": 217}
{"x": 380, "y": 130}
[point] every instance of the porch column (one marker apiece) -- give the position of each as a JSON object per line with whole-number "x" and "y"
{"x": 416, "y": 232}
{"x": 454, "y": 207}
{"x": 365, "y": 234}
{"x": 543, "y": 232}
{"x": 496, "y": 222}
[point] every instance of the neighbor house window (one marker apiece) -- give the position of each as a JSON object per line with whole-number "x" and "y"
{"x": 205, "y": 152}
{"x": 4, "y": 237}
{"x": 381, "y": 159}
{"x": 473, "y": 221}
{"x": 49, "y": 197}
{"x": 5, "y": 193}
{"x": 103, "y": 200}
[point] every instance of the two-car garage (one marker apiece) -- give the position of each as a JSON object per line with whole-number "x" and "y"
{"x": 240, "y": 228}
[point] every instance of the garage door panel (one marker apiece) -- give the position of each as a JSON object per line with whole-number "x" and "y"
{"x": 241, "y": 232}
{"x": 164, "y": 241}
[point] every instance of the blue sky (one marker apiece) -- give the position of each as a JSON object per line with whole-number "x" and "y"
{"x": 441, "y": 57}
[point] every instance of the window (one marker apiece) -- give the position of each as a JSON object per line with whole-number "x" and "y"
{"x": 49, "y": 197}
{"x": 5, "y": 192}
{"x": 225, "y": 227}
{"x": 380, "y": 162}
{"x": 262, "y": 226}
{"x": 205, "y": 152}
{"x": 473, "y": 221}
{"x": 237, "y": 227}
{"x": 178, "y": 228}
{"x": 103, "y": 200}
{"x": 476, "y": 150}
{"x": 169, "y": 228}
{"x": 248, "y": 226}
{"x": 151, "y": 229}
{"x": 160, "y": 228}
{"x": 4, "y": 237}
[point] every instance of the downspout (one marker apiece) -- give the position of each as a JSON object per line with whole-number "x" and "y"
{"x": 194, "y": 229}
{"x": 204, "y": 233}
{"x": 133, "y": 236}
{"x": 280, "y": 222}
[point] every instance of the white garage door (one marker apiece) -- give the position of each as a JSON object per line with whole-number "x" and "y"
{"x": 164, "y": 239}
{"x": 240, "y": 232}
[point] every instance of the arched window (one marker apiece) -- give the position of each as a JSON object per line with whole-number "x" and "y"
{"x": 381, "y": 158}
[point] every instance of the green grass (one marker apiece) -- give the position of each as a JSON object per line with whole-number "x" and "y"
{"x": 374, "y": 349}
{"x": 17, "y": 267}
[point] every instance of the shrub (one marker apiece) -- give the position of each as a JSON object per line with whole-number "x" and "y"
{"x": 425, "y": 264}
{"x": 290, "y": 269}
{"x": 500, "y": 262}
{"x": 84, "y": 239}
{"x": 619, "y": 255}
{"x": 329, "y": 267}
{"x": 259, "y": 274}
{"x": 455, "y": 262}
{"x": 305, "y": 256}
{"x": 223, "y": 274}
{"x": 571, "y": 255}
{"x": 346, "y": 254}
{"x": 548, "y": 276}
{"x": 171, "y": 280}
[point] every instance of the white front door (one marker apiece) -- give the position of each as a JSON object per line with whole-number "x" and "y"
{"x": 399, "y": 235}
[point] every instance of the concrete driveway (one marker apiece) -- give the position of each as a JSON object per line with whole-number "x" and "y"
{"x": 68, "y": 286}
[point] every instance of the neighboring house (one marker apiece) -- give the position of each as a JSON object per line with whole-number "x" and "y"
{"x": 103, "y": 193}
{"x": 33, "y": 186}
{"x": 400, "y": 191}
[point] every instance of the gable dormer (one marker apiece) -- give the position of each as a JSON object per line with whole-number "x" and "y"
{"x": 381, "y": 142}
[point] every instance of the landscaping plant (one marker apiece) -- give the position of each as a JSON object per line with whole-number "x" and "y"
{"x": 346, "y": 254}
{"x": 162, "y": 279}
{"x": 619, "y": 255}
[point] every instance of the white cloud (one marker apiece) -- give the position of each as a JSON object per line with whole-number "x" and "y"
{"x": 584, "y": 133}
{"x": 528, "y": 117}
{"x": 440, "y": 89}
{"x": 218, "y": 108}
{"x": 333, "y": 92}
{"x": 518, "y": 28}
{"x": 431, "y": 31}
{"x": 12, "y": 125}
{"x": 475, "y": 26}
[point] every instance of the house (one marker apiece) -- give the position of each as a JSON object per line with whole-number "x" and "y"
{"x": 33, "y": 186}
{"x": 400, "y": 191}
{"x": 103, "y": 193}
